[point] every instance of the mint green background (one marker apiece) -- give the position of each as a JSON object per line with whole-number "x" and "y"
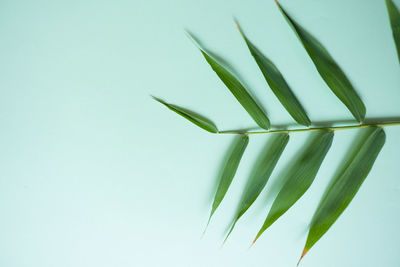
{"x": 95, "y": 173}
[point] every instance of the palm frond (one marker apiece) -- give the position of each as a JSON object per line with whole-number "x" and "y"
{"x": 302, "y": 171}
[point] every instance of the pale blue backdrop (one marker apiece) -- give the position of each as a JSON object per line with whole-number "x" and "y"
{"x": 95, "y": 173}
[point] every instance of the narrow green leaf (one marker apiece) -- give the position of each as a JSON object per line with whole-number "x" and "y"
{"x": 329, "y": 70}
{"x": 229, "y": 170}
{"x": 238, "y": 90}
{"x": 299, "y": 176}
{"x": 345, "y": 184}
{"x": 260, "y": 174}
{"x": 278, "y": 84}
{"x": 195, "y": 118}
{"x": 394, "y": 16}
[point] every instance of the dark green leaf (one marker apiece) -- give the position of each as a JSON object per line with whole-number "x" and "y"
{"x": 229, "y": 169}
{"x": 195, "y": 118}
{"x": 394, "y": 16}
{"x": 329, "y": 70}
{"x": 299, "y": 176}
{"x": 345, "y": 184}
{"x": 260, "y": 174}
{"x": 278, "y": 84}
{"x": 238, "y": 90}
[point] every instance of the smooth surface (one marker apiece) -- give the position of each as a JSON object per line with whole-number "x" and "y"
{"x": 299, "y": 176}
{"x": 229, "y": 169}
{"x": 394, "y": 17}
{"x": 345, "y": 185}
{"x": 94, "y": 172}
{"x": 330, "y": 72}
{"x": 278, "y": 84}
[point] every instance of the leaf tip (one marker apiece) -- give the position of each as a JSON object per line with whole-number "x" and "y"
{"x": 157, "y": 99}
{"x": 302, "y": 255}
{"x": 236, "y": 24}
{"x": 239, "y": 29}
{"x": 230, "y": 230}
{"x": 254, "y": 241}
{"x": 205, "y": 229}
{"x": 186, "y": 32}
{"x": 192, "y": 39}
{"x": 223, "y": 243}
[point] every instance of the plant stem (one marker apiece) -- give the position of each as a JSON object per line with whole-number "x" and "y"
{"x": 334, "y": 128}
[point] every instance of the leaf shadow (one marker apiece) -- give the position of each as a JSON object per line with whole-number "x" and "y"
{"x": 380, "y": 119}
{"x": 242, "y": 130}
{"x": 326, "y": 123}
{"x": 370, "y": 120}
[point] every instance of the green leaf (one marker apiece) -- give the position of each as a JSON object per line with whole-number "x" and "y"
{"x": 229, "y": 169}
{"x": 394, "y": 16}
{"x": 345, "y": 184}
{"x": 278, "y": 84}
{"x": 238, "y": 90}
{"x": 299, "y": 176}
{"x": 260, "y": 174}
{"x": 195, "y": 118}
{"x": 329, "y": 70}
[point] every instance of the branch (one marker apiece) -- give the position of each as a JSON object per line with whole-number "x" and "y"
{"x": 310, "y": 129}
